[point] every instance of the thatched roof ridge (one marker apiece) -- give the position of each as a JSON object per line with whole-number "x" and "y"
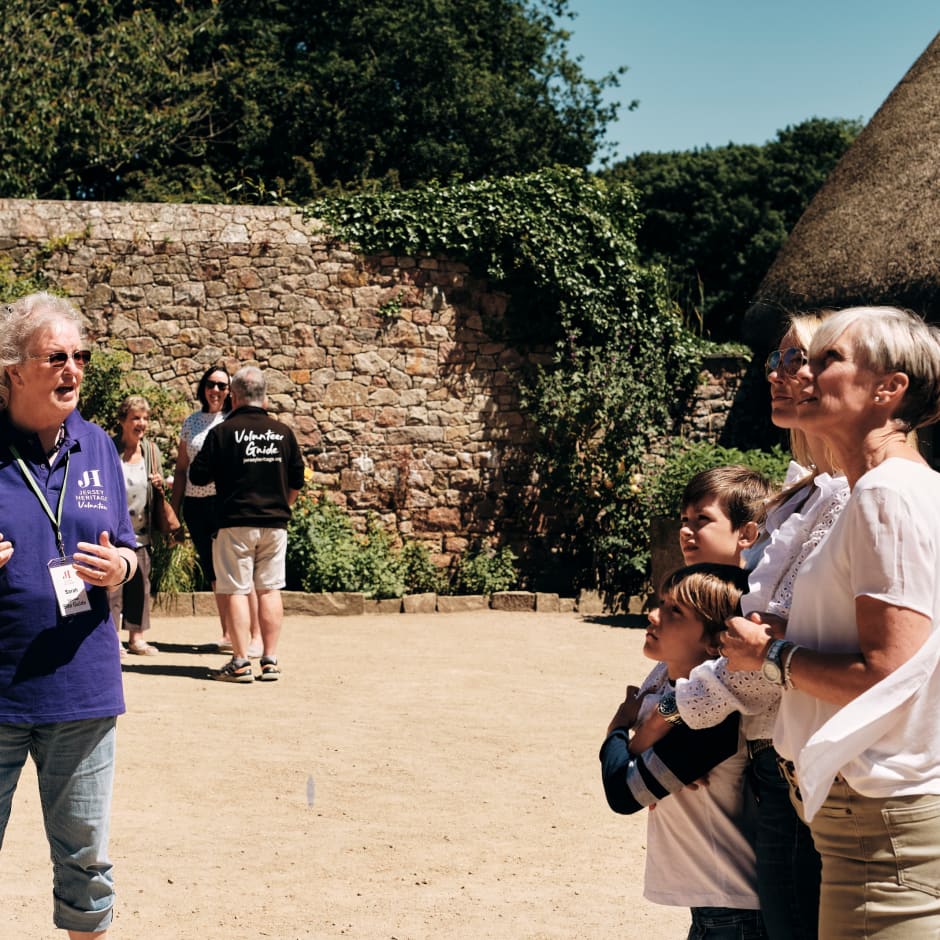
{"x": 872, "y": 232}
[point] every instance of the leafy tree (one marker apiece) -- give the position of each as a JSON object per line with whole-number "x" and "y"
{"x": 93, "y": 92}
{"x": 716, "y": 218}
{"x": 187, "y": 99}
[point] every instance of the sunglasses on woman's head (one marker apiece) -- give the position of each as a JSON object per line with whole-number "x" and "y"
{"x": 219, "y": 386}
{"x": 785, "y": 361}
{"x": 81, "y": 358}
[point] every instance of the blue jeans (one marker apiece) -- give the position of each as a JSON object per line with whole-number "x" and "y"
{"x": 75, "y": 769}
{"x": 726, "y": 923}
{"x": 788, "y": 865}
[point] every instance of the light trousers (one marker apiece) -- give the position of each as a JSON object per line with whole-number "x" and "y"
{"x": 880, "y": 866}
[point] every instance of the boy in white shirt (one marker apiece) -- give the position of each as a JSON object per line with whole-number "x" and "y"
{"x": 698, "y": 853}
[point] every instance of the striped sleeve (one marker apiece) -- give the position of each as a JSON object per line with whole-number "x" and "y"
{"x": 683, "y": 756}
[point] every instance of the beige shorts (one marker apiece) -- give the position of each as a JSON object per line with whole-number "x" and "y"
{"x": 246, "y": 557}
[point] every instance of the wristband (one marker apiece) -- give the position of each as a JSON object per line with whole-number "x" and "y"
{"x": 127, "y": 571}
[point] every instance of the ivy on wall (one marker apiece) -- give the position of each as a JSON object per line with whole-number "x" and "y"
{"x": 562, "y": 244}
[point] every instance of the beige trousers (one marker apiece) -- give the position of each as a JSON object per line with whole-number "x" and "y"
{"x": 880, "y": 866}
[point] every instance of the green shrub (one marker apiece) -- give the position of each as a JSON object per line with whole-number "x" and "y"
{"x": 684, "y": 460}
{"x": 325, "y": 553}
{"x": 321, "y": 546}
{"x": 484, "y": 570}
{"x": 379, "y": 568}
{"x": 421, "y": 575}
{"x": 174, "y": 568}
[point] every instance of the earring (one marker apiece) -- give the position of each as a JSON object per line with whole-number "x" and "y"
{"x": 877, "y": 399}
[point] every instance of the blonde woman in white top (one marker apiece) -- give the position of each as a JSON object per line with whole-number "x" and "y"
{"x": 859, "y": 665}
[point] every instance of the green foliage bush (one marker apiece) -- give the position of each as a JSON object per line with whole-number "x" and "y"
{"x": 663, "y": 489}
{"x": 321, "y": 546}
{"x": 174, "y": 568}
{"x": 485, "y": 570}
{"x": 420, "y": 574}
{"x": 325, "y": 553}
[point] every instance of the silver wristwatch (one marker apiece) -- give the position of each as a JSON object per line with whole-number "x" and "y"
{"x": 772, "y": 668}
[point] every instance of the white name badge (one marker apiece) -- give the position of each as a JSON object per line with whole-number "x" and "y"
{"x": 68, "y": 586}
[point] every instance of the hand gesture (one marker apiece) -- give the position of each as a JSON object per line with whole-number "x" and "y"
{"x": 744, "y": 641}
{"x": 6, "y": 550}
{"x": 629, "y": 709}
{"x": 100, "y": 565}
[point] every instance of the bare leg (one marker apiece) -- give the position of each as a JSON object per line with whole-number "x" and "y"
{"x": 270, "y": 614}
{"x": 235, "y": 612}
{"x": 223, "y": 610}
{"x": 255, "y": 643}
{"x": 255, "y": 621}
{"x": 84, "y": 935}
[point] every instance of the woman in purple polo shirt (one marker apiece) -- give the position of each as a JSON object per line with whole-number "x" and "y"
{"x": 65, "y": 538}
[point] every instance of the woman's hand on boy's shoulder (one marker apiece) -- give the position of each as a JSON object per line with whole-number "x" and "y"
{"x": 744, "y": 640}
{"x": 629, "y": 709}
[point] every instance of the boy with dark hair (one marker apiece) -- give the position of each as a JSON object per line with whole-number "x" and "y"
{"x": 698, "y": 854}
{"x": 723, "y": 510}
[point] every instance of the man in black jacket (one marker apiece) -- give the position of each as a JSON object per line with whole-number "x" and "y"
{"x": 256, "y": 465}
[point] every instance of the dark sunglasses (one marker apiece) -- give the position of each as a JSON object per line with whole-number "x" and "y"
{"x": 785, "y": 361}
{"x": 57, "y": 360}
{"x": 219, "y": 386}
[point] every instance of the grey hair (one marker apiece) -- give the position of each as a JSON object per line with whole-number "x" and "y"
{"x": 132, "y": 403}
{"x": 248, "y": 386}
{"x": 892, "y": 340}
{"x": 21, "y": 321}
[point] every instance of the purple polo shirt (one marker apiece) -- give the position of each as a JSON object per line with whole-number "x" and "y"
{"x": 55, "y": 668}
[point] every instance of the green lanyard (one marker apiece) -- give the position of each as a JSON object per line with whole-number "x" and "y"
{"x": 55, "y": 519}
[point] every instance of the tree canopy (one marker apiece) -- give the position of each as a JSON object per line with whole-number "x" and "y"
{"x": 715, "y": 218}
{"x": 185, "y": 99}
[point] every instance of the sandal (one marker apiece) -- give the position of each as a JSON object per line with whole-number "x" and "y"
{"x": 142, "y": 649}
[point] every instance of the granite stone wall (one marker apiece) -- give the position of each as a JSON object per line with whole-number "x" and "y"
{"x": 388, "y": 368}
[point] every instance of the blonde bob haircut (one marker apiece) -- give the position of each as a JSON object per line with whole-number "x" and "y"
{"x": 892, "y": 340}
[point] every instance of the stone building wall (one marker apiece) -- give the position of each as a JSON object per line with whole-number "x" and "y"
{"x": 387, "y": 368}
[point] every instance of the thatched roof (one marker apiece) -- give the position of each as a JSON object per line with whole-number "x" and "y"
{"x": 872, "y": 232}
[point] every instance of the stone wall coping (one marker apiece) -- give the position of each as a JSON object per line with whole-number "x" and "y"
{"x": 340, "y": 603}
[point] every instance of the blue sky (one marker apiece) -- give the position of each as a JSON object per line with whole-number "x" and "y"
{"x": 710, "y": 72}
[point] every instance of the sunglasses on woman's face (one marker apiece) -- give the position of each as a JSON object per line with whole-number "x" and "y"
{"x": 219, "y": 386}
{"x": 785, "y": 361}
{"x": 81, "y": 358}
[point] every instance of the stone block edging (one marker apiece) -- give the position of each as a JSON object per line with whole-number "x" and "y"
{"x": 351, "y": 604}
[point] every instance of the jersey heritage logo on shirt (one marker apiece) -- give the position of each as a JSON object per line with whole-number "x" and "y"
{"x": 91, "y": 494}
{"x": 90, "y": 478}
